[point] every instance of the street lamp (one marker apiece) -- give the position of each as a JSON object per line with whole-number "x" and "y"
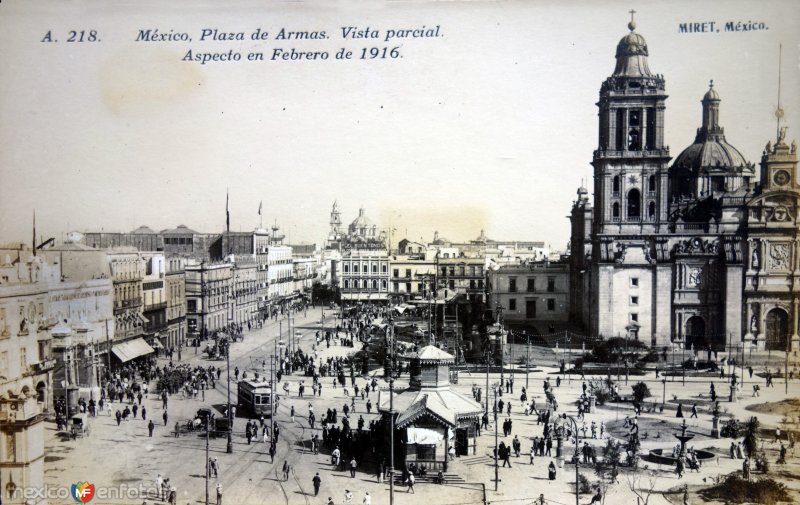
{"x": 577, "y": 459}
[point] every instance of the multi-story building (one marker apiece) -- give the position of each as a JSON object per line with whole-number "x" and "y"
{"x": 154, "y": 298}
{"x": 412, "y": 276}
{"x": 664, "y": 258}
{"x": 55, "y": 313}
{"x": 208, "y": 291}
{"x": 280, "y": 273}
{"x": 175, "y": 287}
{"x": 306, "y": 263}
{"x": 26, "y": 377}
{"x": 244, "y": 302}
{"x": 531, "y": 295}
{"x": 127, "y": 273}
{"x": 464, "y": 276}
{"x": 772, "y": 276}
{"x": 363, "y": 276}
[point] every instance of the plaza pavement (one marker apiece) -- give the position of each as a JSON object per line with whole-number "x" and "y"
{"x": 125, "y": 455}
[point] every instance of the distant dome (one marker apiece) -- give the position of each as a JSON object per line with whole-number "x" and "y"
{"x": 362, "y": 221}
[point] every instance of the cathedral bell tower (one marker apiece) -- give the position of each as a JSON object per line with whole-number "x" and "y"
{"x": 629, "y": 261}
{"x": 630, "y": 164}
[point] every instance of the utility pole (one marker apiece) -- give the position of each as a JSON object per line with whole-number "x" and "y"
{"x": 391, "y": 440}
{"x": 229, "y": 446}
{"x": 527, "y": 359}
{"x": 496, "y": 455}
{"x": 208, "y": 462}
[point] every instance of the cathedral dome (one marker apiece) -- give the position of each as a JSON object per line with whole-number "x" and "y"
{"x": 710, "y": 150}
{"x": 632, "y": 55}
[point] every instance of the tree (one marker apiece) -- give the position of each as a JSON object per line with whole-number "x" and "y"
{"x": 608, "y": 467}
{"x": 642, "y": 484}
{"x": 750, "y": 430}
{"x": 640, "y": 392}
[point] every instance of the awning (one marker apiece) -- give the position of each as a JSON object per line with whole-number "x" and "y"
{"x": 424, "y": 436}
{"x": 131, "y": 349}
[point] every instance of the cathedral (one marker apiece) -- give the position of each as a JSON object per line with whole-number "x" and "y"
{"x": 702, "y": 250}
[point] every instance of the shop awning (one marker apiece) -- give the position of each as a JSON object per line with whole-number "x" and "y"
{"x": 131, "y": 349}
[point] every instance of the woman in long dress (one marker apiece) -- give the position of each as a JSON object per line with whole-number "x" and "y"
{"x": 551, "y": 471}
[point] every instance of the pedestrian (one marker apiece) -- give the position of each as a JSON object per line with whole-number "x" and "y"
{"x": 150, "y": 428}
{"x": 118, "y": 415}
{"x": 173, "y": 495}
{"x": 219, "y": 493}
{"x": 367, "y": 499}
{"x": 165, "y": 416}
{"x": 410, "y": 482}
{"x": 353, "y": 466}
{"x": 286, "y": 469}
{"x": 144, "y": 414}
{"x": 135, "y": 410}
{"x": 694, "y": 411}
{"x": 272, "y": 452}
{"x": 679, "y": 467}
{"x": 160, "y": 487}
{"x": 291, "y": 413}
{"x": 317, "y": 481}
{"x": 551, "y": 471}
{"x": 215, "y": 467}
{"x": 533, "y": 453}
{"x": 348, "y": 496}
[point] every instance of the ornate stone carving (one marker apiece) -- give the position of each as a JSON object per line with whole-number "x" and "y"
{"x": 779, "y": 256}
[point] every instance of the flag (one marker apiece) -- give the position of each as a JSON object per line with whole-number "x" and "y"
{"x": 259, "y": 207}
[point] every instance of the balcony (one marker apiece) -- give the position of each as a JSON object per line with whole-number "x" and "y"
{"x": 130, "y": 302}
{"x": 155, "y": 306}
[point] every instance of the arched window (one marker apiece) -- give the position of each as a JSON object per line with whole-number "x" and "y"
{"x": 651, "y": 210}
{"x": 374, "y": 284}
{"x": 615, "y": 184}
{"x": 634, "y": 204}
{"x": 615, "y": 211}
{"x": 346, "y": 284}
{"x": 651, "y": 184}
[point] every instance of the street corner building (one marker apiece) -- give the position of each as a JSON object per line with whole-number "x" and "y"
{"x": 701, "y": 252}
{"x": 429, "y": 417}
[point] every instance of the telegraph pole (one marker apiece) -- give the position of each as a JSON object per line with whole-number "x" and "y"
{"x": 391, "y": 440}
{"x": 208, "y": 462}
{"x": 229, "y": 446}
{"x": 496, "y": 455}
{"x": 527, "y": 359}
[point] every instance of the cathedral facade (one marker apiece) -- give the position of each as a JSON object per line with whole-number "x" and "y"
{"x": 665, "y": 252}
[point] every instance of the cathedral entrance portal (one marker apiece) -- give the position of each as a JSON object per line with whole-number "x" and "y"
{"x": 696, "y": 333}
{"x": 777, "y": 329}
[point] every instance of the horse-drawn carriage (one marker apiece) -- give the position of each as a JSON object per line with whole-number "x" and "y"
{"x": 79, "y": 426}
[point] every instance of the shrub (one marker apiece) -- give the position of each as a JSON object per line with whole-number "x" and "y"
{"x": 640, "y": 392}
{"x": 735, "y": 489}
{"x": 583, "y": 485}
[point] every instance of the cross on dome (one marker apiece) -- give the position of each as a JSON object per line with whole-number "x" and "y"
{"x": 632, "y": 24}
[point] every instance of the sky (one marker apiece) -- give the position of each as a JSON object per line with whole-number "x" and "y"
{"x": 491, "y": 125}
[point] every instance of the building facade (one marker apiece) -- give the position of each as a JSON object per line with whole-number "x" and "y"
{"x": 534, "y": 295}
{"x": 208, "y": 290}
{"x": 772, "y": 276}
{"x": 363, "y": 276}
{"x": 659, "y": 256}
{"x": 175, "y": 286}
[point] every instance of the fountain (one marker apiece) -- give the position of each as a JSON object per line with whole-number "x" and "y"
{"x": 659, "y": 455}
{"x": 683, "y": 437}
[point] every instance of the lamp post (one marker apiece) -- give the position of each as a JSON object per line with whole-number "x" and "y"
{"x": 229, "y": 446}
{"x": 391, "y": 440}
{"x": 577, "y": 459}
{"x": 527, "y": 358}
